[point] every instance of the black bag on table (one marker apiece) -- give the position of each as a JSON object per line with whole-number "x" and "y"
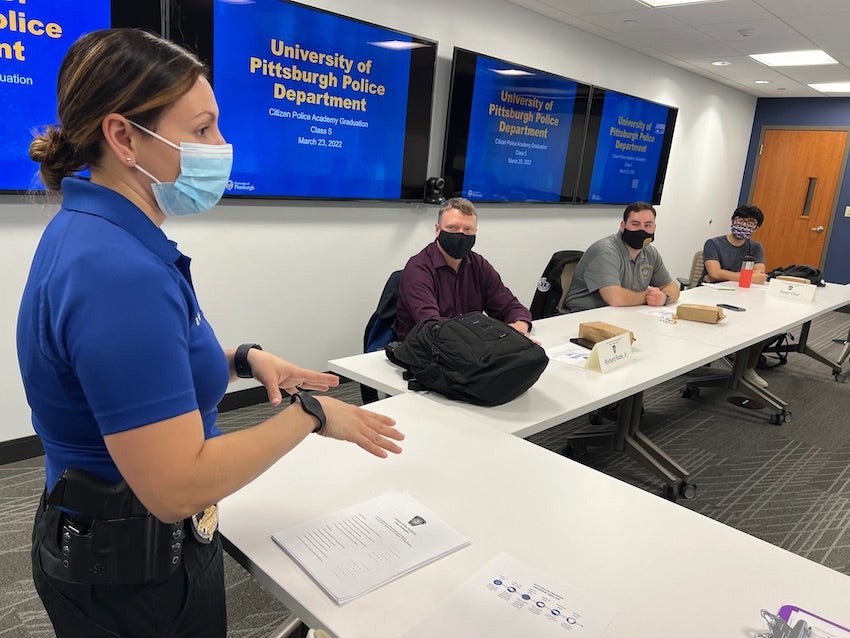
{"x": 815, "y": 275}
{"x": 472, "y": 358}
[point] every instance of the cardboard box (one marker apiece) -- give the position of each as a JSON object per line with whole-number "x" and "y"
{"x": 699, "y": 312}
{"x": 596, "y": 331}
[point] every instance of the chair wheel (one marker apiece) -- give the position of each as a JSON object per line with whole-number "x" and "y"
{"x": 690, "y": 392}
{"x": 780, "y": 418}
{"x": 595, "y": 417}
{"x": 687, "y": 490}
{"x": 669, "y": 492}
{"x": 839, "y": 377}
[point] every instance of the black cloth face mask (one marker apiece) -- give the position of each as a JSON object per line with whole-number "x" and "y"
{"x": 637, "y": 239}
{"x": 456, "y": 245}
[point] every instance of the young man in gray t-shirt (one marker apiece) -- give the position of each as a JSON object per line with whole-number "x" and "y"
{"x": 723, "y": 257}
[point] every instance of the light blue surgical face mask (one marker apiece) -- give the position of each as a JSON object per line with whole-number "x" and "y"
{"x": 204, "y": 173}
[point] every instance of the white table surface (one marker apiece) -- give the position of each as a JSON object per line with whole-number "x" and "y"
{"x": 666, "y": 571}
{"x": 662, "y": 351}
{"x": 764, "y": 316}
{"x": 563, "y": 391}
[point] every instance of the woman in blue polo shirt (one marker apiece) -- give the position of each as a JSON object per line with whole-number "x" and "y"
{"x": 121, "y": 369}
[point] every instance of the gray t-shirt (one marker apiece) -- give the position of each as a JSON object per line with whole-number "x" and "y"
{"x": 607, "y": 263}
{"x": 729, "y": 256}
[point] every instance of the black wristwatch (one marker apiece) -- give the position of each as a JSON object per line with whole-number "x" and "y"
{"x": 667, "y": 300}
{"x": 311, "y": 406}
{"x": 240, "y": 360}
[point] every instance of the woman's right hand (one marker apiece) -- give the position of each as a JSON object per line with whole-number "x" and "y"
{"x": 374, "y": 432}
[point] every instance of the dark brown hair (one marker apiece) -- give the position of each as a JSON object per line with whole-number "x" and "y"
{"x": 126, "y": 71}
{"x": 636, "y": 207}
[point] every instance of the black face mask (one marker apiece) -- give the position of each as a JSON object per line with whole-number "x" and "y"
{"x": 637, "y": 239}
{"x": 456, "y": 245}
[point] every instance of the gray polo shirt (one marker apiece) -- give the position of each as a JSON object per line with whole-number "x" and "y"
{"x": 607, "y": 263}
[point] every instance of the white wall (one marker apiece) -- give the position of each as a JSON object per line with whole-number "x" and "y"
{"x": 302, "y": 278}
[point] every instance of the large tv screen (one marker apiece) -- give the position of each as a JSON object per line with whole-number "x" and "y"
{"x": 626, "y": 149}
{"x": 316, "y": 105}
{"x": 34, "y": 36}
{"x": 514, "y": 133}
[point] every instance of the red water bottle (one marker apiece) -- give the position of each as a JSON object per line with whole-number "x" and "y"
{"x": 746, "y": 277}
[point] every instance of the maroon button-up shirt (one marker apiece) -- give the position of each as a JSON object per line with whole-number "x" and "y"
{"x": 431, "y": 289}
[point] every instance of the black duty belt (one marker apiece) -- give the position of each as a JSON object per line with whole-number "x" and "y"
{"x": 105, "y": 536}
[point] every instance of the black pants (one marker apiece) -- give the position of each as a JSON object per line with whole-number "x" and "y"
{"x": 188, "y": 603}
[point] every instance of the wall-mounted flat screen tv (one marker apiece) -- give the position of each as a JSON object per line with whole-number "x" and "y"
{"x": 626, "y": 149}
{"x": 316, "y": 105}
{"x": 34, "y": 37}
{"x": 514, "y": 133}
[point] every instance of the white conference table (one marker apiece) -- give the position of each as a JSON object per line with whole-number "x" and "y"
{"x": 662, "y": 351}
{"x": 563, "y": 391}
{"x": 764, "y": 315}
{"x": 666, "y": 571}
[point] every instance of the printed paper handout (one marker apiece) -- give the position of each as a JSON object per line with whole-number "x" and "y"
{"x": 358, "y": 549}
{"x": 507, "y": 599}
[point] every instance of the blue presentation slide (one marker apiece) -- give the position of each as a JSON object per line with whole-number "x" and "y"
{"x": 314, "y": 104}
{"x": 631, "y": 137}
{"x": 519, "y": 130}
{"x": 34, "y": 36}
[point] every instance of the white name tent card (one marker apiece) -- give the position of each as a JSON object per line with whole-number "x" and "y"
{"x": 611, "y": 353}
{"x": 791, "y": 290}
{"x": 359, "y": 548}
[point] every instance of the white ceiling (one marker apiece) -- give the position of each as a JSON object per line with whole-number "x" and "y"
{"x": 692, "y": 37}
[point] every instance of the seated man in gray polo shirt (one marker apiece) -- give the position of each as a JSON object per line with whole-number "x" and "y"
{"x": 623, "y": 269}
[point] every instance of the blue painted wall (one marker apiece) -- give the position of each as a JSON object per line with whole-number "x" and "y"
{"x": 809, "y": 112}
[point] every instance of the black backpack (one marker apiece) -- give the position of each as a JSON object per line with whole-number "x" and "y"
{"x": 472, "y": 358}
{"x": 814, "y": 275}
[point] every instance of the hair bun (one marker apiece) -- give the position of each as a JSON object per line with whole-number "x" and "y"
{"x": 54, "y": 151}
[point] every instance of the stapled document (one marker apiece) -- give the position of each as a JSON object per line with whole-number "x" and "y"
{"x": 358, "y": 549}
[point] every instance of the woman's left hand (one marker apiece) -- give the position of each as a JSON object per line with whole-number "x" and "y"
{"x": 276, "y": 373}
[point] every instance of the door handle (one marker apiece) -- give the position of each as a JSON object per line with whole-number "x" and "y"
{"x": 818, "y": 229}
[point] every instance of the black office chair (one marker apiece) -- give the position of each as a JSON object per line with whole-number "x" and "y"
{"x": 379, "y": 329}
{"x": 554, "y": 283}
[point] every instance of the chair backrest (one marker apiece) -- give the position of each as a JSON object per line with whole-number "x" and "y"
{"x": 566, "y": 279}
{"x": 379, "y": 329}
{"x": 695, "y": 277}
{"x": 554, "y": 283}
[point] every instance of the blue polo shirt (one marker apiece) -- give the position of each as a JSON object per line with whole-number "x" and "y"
{"x": 110, "y": 334}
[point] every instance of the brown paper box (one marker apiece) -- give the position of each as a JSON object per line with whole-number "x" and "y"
{"x": 698, "y": 312}
{"x": 596, "y": 331}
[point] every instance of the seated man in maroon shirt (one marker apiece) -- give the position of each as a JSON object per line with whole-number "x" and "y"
{"x": 447, "y": 279}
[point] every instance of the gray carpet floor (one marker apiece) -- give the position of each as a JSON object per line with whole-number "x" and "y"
{"x": 787, "y": 484}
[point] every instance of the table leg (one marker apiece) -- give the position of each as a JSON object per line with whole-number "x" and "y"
{"x": 804, "y": 348}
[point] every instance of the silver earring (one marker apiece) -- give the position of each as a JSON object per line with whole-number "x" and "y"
{"x": 129, "y": 159}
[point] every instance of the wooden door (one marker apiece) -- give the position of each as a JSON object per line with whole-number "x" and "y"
{"x": 797, "y": 177}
